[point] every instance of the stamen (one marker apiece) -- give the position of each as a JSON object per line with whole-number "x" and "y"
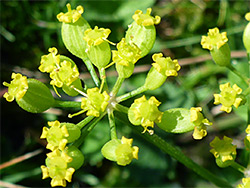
{"x": 79, "y": 91}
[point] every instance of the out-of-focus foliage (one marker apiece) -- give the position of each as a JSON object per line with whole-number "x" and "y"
{"x": 29, "y": 28}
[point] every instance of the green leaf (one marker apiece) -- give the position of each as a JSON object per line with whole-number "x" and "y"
{"x": 72, "y": 35}
{"x": 176, "y": 120}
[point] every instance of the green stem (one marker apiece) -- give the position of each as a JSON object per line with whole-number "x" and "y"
{"x": 239, "y": 74}
{"x": 92, "y": 72}
{"x": 131, "y": 94}
{"x": 111, "y": 117}
{"x": 238, "y": 167}
{"x": 87, "y": 129}
{"x": 120, "y": 108}
{"x": 84, "y": 122}
{"x": 67, "y": 104}
{"x": 176, "y": 153}
{"x": 248, "y": 95}
{"x": 117, "y": 86}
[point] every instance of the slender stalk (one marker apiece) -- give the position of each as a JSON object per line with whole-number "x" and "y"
{"x": 117, "y": 86}
{"x": 244, "y": 78}
{"x": 87, "y": 129}
{"x": 238, "y": 167}
{"x": 67, "y": 104}
{"x": 131, "y": 94}
{"x": 120, "y": 108}
{"x": 92, "y": 72}
{"x": 84, "y": 122}
{"x": 111, "y": 117}
{"x": 176, "y": 153}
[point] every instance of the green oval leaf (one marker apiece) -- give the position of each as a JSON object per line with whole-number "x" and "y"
{"x": 176, "y": 120}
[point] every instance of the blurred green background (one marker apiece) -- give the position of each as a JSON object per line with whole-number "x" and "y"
{"x": 29, "y": 28}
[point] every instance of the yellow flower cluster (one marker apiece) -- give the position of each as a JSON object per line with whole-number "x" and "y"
{"x": 71, "y": 16}
{"x": 196, "y": 117}
{"x": 17, "y": 87}
{"x": 215, "y": 39}
{"x": 146, "y": 19}
{"x": 228, "y": 97}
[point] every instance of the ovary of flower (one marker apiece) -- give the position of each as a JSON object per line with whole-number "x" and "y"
{"x": 125, "y": 153}
{"x": 245, "y": 183}
{"x": 72, "y": 15}
{"x": 215, "y": 39}
{"x": 228, "y": 97}
{"x": 56, "y": 135}
{"x": 17, "y": 87}
{"x": 57, "y": 168}
{"x": 49, "y": 62}
{"x": 248, "y": 132}
{"x": 95, "y": 102}
{"x": 165, "y": 66}
{"x": 146, "y": 19}
{"x": 223, "y": 149}
{"x": 96, "y": 36}
{"x": 147, "y": 112}
{"x": 126, "y": 53}
{"x": 65, "y": 74}
{"x": 196, "y": 117}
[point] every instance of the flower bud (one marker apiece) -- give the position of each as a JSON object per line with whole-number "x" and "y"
{"x": 98, "y": 50}
{"x": 74, "y": 132}
{"x": 162, "y": 68}
{"x": 120, "y": 151}
{"x": 145, "y": 112}
{"x": 142, "y": 31}
{"x": 95, "y": 103}
{"x": 221, "y": 56}
{"x": 38, "y": 97}
{"x": 228, "y": 97}
{"x": 57, "y": 168}
{"x": 125, "y": 57}
{"x": 108, "y": 150}
{"x": 246, "y": 34}
{"x": 224, "y": 151}
{"x": 76, "y": 155}
{"x": 73, "y": 28}
{"x": 216, "y": 42}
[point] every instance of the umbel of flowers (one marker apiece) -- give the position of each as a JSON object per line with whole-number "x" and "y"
{"x": 93, "y": 47}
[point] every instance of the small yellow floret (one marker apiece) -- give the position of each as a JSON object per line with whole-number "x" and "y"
{"x": 248, "y": 132}
{"x": 50, "y": 62}
{"x": 56, "y": 135}
{"x": 146, "y": 113}
{"x": 17, "y": 87}
{"x": 165, "y": 66}
{"x": 223, "y": 149}
{"x": 71, "y": 16}
{"x": 125, "y": 152}
{"x": 146, "y": 19}
{"x": 247, "y": 16}
{"x": 57, "y": 168}
{"x": 95, "y": 103}
{"x": 245, "y": 183}
{"x": 126, "y": 53}
{"x": 96, "y": 36}
{"x": 196, "y": 117}
{"x": 215, "y": 39}
{"x": 228, "y": 97}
